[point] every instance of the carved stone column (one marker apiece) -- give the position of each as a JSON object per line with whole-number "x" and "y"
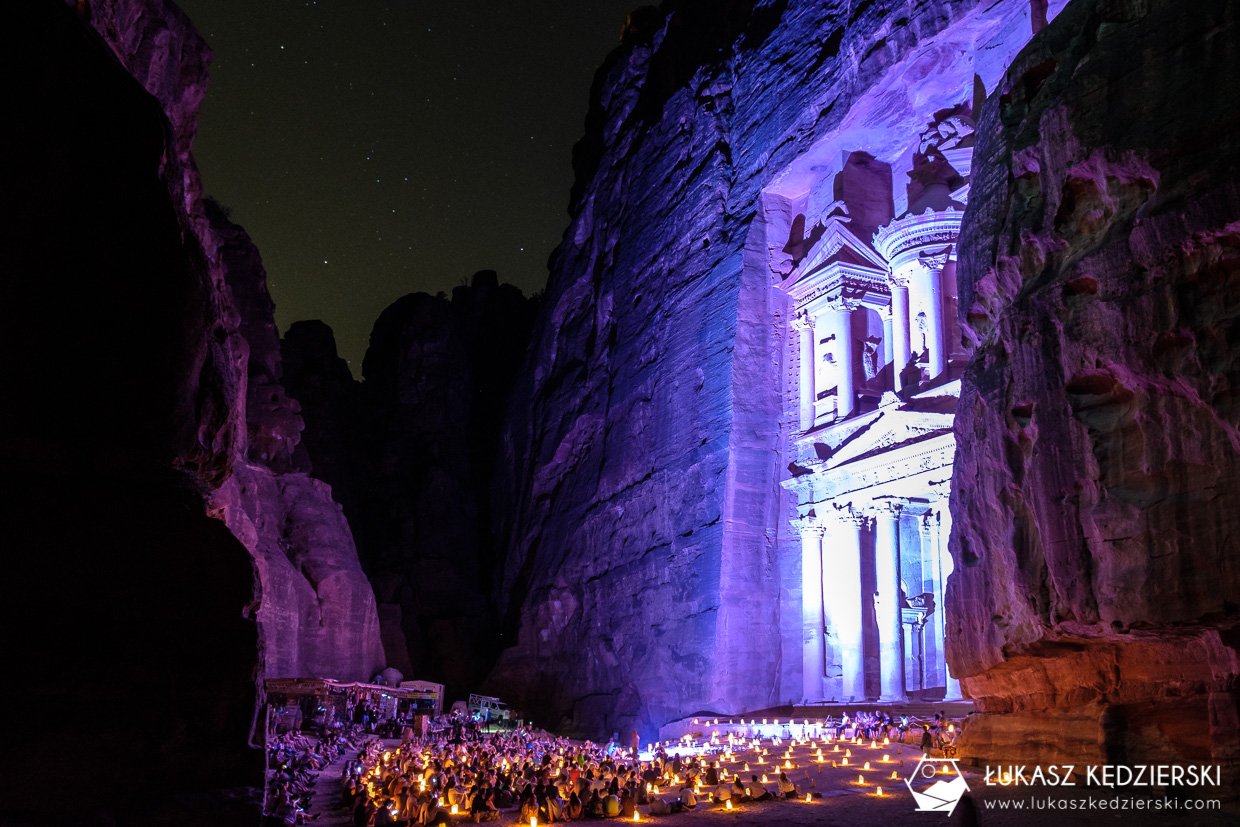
{"x": 841, "y": 585}
{"x": 918, "y": 246}
{"x": 804, "y": 325}
{"x": 946, "y": 567}
{"x": 887, "y": 604}
{"x": 931, "y": 278}
{"x": 813, "y": 618}
{"x": 902, "y": 349}
{"x": 839, "y": 317}
{"x": 930, "y": 566}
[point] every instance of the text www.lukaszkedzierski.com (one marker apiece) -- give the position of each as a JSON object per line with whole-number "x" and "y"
{"x": 1113, "y": 803}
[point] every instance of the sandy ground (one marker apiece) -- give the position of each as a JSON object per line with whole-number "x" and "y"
{"x": 844, "y": 801}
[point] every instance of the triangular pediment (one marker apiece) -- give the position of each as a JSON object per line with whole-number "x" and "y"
{"x": 838, "y": 240}
{"x": 889, "y": 432}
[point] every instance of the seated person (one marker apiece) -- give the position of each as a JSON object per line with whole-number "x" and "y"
{"x": 435, "y": 814}
{"x": 594, "y": 807}
{"x": 786, "y": 788}
{"x": 757, "y": 792}
{"x": 628, "y": 804}
{"x": 383, "y": 812}
{"x": 555, "y": 805}
{"x": 482, "y": 804}
{"x": 528, "y": 805}
{"x": 575, "y": 808}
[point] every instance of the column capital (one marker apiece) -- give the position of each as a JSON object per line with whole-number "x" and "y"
{"x": 843, "y": 304}
{"x": 808, "y": 526}
{"x": 934, "y": 261}
{"x": 801, "y": 321}
{"x": 891, "y": 507}
{"x": 847, "y": 515}
{"x": 898, "y": 278}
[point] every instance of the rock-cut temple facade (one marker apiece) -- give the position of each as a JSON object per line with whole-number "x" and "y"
{"x": 876, "y": 358}
{"x": 732, "y": 442}
{"x": 862, "y": 239}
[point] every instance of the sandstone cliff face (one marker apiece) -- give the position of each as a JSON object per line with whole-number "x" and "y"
{"x": 1097, "y": 485}
{"x": 410, "y": 452}
{"x": 126, "y": 617}
{"x": 311, "y": 624}
{"x": 317, "y": 611}
{"x": 648, "y": 544}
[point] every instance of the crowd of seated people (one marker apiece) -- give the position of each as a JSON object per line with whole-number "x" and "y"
{"x": 293, "y": 760}
{"x": 539, "y": 776}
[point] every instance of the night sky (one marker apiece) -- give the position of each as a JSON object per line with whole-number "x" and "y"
{"x": 374, "y": 149}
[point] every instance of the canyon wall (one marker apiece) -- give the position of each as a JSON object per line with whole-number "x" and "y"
{"x": 143, "y": 375}
{"x": 1093, "y": 613}
{"x": 410, "y": 452}
{"x": 316, "y": 612}
{"x": 651, "y": 568}
{"x": 128, "y": 625}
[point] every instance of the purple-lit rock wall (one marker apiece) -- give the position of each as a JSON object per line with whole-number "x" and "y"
{"x": 236, "y": 417}
{"x": 647, "y": 548}
{"x": 129, "y": 635}
{"x": 1096, "y": 491}
{"x": 316, "y": 613}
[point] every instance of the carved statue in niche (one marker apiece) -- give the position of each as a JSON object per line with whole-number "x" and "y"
{"x": 947, "y": 132}
{"x": 869, "y": 357}
{"x": 923, "y": 347}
